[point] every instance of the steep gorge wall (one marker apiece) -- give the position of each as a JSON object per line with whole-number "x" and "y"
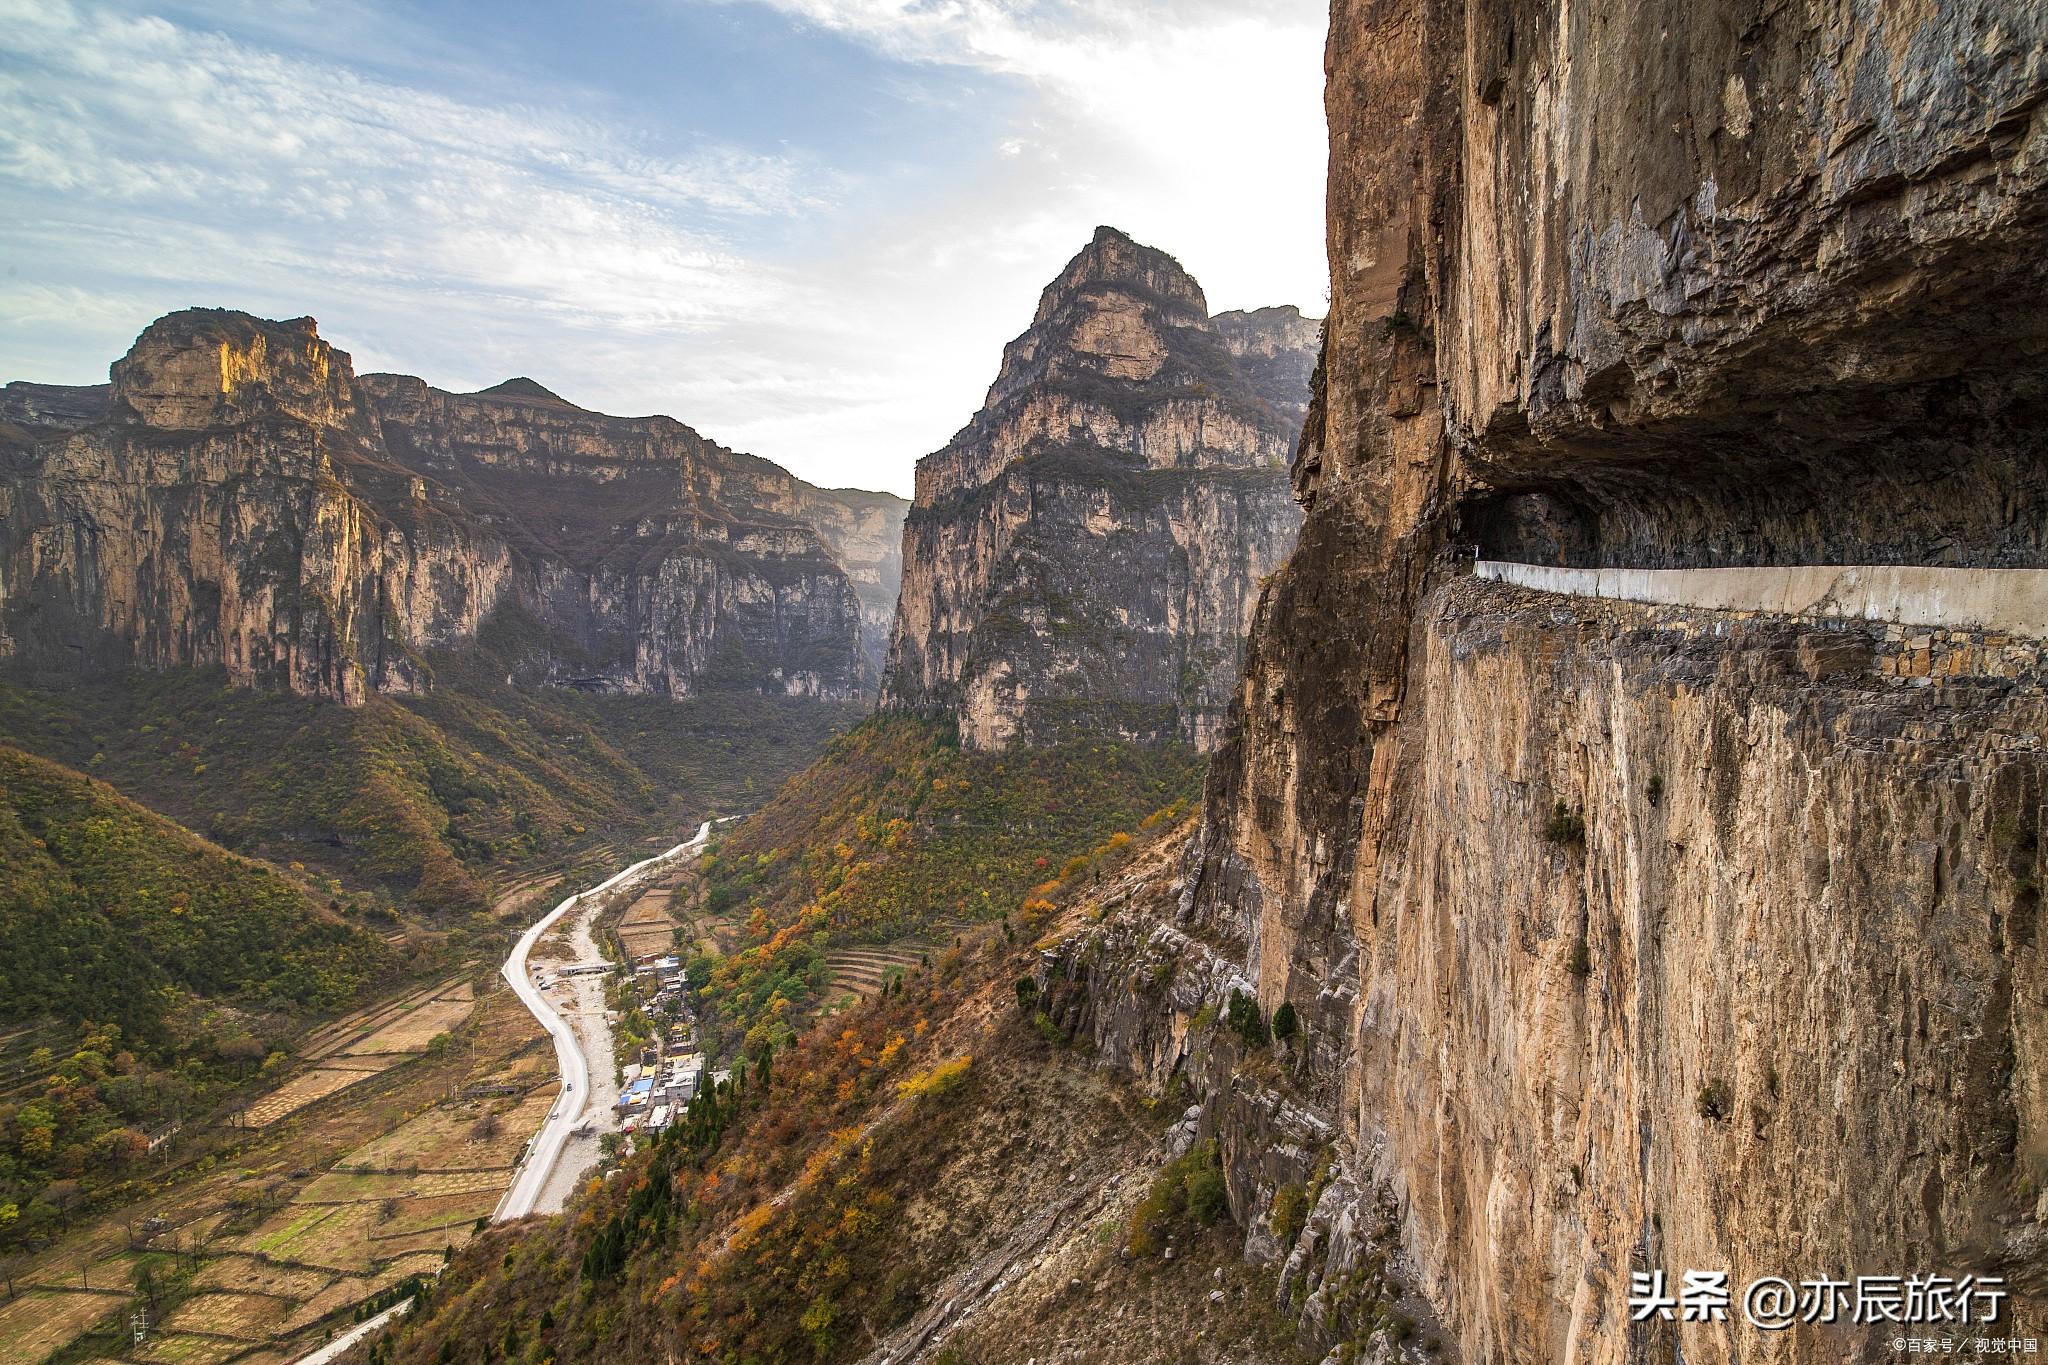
{"x": 1774, "y": 1007}
{"x": 1635, "y": 286}
{"x": 661, "y": 559}
{"x": 207, "y": 519}
{"x": 238, "y": 497}
{"x": 1083, "y": 557}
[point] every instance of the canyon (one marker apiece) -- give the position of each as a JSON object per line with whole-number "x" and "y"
{"x": 1616, "y": 639}
{"x": 238, "y": 497}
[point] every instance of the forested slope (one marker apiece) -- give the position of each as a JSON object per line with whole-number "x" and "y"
{"x": 898, "y": 834}
{"x": 173, "y": 970}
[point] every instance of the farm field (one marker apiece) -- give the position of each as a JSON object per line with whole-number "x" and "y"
{"x": 172, "y": 1348}
{"x": 646, "y": 928}
{"x": 485, "y": 1135}
{"x": 863, "y": 969}
{"x": 249, "y": 1275}
{"x": 40, "y": 1321}
{"x": 303, "y": 1090}
{"x": 367, "y": 1043}
{"x": 329, "y": 1193}
{"x": 375, "y": 1029}
{"x": 248, "y": 1317}
{"x": 420, "y": 1025}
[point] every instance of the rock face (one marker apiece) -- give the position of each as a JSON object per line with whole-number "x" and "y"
{"x": 1631, "y": 938}
{"x": 1085, "y": 555}
{"x": 239, "y": 497}
{"x": 52, "y": 407}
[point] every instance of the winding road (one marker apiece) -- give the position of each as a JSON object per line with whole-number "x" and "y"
{"x": 573, "y": 1103}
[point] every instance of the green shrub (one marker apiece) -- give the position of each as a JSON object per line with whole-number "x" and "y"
{"x": 1289, "y": 1214}
{"x": 1565, "y": 826}
{"x": 1208, "y": 1196}
{"x": 1246, "y": 1020}
{"x": 1048, "y": 1030}
{"x": 1190, "y": 1190}
{"x": 1286, "y": 1023}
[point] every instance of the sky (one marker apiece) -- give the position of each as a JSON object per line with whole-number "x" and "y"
{"x": 804, "y": 227}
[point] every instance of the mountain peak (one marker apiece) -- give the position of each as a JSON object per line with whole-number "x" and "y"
{"x": 1113, "y": 258}
{"x": 521, "y": 387}
{"x": 207, "y": 366}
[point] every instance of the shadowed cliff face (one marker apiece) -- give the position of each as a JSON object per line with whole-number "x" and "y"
{"x": 1630, "y": 938}
{"x": 239, "y": 497}
{"x": 1084, "y": 556}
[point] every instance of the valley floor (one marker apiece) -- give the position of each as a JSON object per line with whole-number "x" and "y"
{"x": 395, "y": 1134}
{"x": 581, "y": 1001}
{"x": 327, "y": 1198}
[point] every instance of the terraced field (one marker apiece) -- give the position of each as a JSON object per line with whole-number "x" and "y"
{"x": 716, "y": 935}
{"x": 174, "y": 1348}
{"x": 238, "y": 1274}
{"x": 38, "y": 1322}
{"x": 862, "y": 970}
{"x": 647, "y": 928}
{"x": 406, "y": 1024}
{"x": 353, "y": 1049}
{"x": 315, "y": 1213}
{"x": 246, "y": 1317}
{"x": 307, "y": 1088}
{"x": 526, "y": 900}
{"x": 486, "y": 1135}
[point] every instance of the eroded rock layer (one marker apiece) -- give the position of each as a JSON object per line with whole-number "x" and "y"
{"x": 1626, "y": 938}
{"x": 1085, "y": 555}
{"x": 239, "y": 497}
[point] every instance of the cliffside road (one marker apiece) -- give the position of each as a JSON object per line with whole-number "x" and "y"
{"x": 576, "y": 1052}
{"x": 2014, "y": 600}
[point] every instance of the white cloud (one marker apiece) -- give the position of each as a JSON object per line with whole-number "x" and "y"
{"x": 1197, "y": 124}
{"x": 322, "y": 170}
{"x": 839, "y": 315}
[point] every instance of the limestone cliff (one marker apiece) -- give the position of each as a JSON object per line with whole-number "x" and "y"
{"x": 239, "y": 497}
{"x": 1084, "y": 556}
{"x": 1631, "y": 938}
{"x": 30, "y": 407}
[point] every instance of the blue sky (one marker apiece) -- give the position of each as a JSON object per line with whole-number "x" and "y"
{"x": 805, "y": 227}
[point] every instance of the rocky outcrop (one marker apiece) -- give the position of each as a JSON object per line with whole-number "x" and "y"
{"x": 1633, "y": 938}
{"x": 1275, "y": 349}
{"x": 31, "y": 407}
{"x": 864, "y": 532}
{"x": 245, "y": 500}
{"x": 1084, "y": 556}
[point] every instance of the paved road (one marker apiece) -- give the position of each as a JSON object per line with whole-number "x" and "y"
{"x": 582, "y": 1001}
{"x": 333, "y": 1350}
{"x": 545, "y": 1150}
{"x": 2009, "y": 600}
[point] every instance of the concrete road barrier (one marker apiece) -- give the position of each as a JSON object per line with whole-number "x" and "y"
{"x": 2010, "y": 600}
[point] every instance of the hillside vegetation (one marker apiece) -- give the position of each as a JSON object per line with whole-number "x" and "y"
{"x": 897, "y": 832}
{"x": 172, "y": 969}
{"x": 928, "y": 1142}
{"x": 416, "y": 804}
